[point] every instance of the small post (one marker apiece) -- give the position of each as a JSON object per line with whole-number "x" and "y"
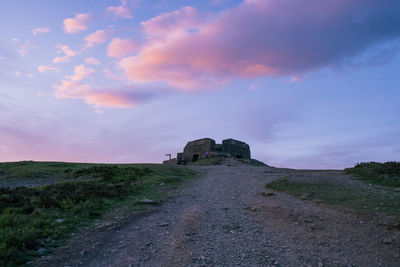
{"x": 168, "y": 155}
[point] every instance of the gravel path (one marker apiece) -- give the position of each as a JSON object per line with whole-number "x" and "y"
{"x": 223, "y": 219}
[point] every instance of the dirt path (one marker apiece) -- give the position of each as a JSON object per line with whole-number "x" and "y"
{"x": 223, "y": 220}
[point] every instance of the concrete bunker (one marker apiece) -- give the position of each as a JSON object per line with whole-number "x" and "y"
{"x": 206, "y": 147}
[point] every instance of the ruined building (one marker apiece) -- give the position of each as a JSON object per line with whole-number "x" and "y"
{"x": 206, "y": 147}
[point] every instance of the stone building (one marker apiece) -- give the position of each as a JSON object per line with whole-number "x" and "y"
{"x": 206, "y": 147}
{"x": 236, "y": 149}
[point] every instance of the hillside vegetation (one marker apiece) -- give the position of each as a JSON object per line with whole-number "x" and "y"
{"x": 32, "y": 219}
{"x": 386, "y": 174}
{"x": 379, "y": 197}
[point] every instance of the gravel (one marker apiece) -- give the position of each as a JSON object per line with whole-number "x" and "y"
{"x": 223, "y": 219}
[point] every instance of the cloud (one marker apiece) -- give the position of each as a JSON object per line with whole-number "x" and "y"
{"x": 253, "y": 87}
{"x": 97, "y": 37}
{"x": 121, "y": 47}
{"x": 111, "y": 75}
{"x": 47, "y": 68}
{"x": 111, "y": 98}
{"x": 68, "y": 53}
{"x": 80, "y": 73}
{"x": 23, "y": 49}
{"x": 72, "y": 87}
{"x": 92, "y": 61}
{"x": 122, "y": 11}
{"x": 259, "y": 38}
{"x": 77, "y": 24}
{"x": 217, "y": 2}
{"x": 19, "y": 74}
{"x": 102, "y": 97}
{"x": 41, "y": 30}
{"x": 173, "y": 24}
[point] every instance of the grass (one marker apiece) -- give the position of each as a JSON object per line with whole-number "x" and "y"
{"x": 252, "y": 162}
{"x": 42, "y": 217}
{"x": 207, "y": 161}
{"x": 357, "y": 199}
{"x": 219, "y": 159}
{"x": 386, "y": 174}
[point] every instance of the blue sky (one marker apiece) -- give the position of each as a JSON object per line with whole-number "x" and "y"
{"x": 306, "y": 84}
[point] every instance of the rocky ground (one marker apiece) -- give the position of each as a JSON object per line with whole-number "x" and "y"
{"x": 225, "y": 219}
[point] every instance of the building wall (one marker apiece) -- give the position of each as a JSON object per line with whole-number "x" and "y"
{"x": 236, "y": 148}
{"x": 197, "y": 149}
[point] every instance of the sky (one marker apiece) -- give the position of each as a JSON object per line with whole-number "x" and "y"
{"x": 306, "y": 83}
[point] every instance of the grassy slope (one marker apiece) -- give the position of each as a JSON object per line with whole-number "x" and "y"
{"x": 361, "y": 200}
{"x": 205, "y": 162}
{"x": 386, "y": 174}
{"x": 372, "y": 200}
{"x": 34, "y": 218}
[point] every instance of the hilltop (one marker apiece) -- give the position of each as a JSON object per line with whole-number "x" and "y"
{"x": 237, "y": 212}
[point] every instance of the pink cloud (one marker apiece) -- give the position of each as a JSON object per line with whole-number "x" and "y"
{"x": 24, "y": 48}
{"x": 92, "y": 61}
{"x": 73, "y": 88}
{"x": 41, "y": 30}
{"x": 121, "y": 47}
{"x": 169, "y": 24}
{"x": 68, "y": 53}
{"x": 80, "y": 73}
{"x": 70, "y": 87}
{"x": 97, "y": 37}
{"x": 77, "y": 24}
{"x": 122, "y": 11}
{"x": 109, "y": 100}
{"x": 112, "y": 75}
{"x": 258, "y": 38}
{"x": 101, "y": 97}
{"x": 47, "y": 68}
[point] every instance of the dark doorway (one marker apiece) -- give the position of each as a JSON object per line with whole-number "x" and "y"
{"x": 195, "y": 157}
{"x": 238, "y": 156}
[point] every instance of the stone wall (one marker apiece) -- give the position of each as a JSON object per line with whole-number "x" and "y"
{"x": 197, "y": 149}
{"x": 206, "y": 147}
{"x": 236, "y": 149}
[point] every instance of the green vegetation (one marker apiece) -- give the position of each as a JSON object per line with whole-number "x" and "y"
{"x": 35, "y": 218}
{"x": 208, "y": 161}
{"x": 252, "y": 162}
{"x": 386, "y": 174}
{"x": 219, "y": 159}
{"x": 363, "y": 200}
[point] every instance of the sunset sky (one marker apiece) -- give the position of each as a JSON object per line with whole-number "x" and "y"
{"x": 306, "y": 83}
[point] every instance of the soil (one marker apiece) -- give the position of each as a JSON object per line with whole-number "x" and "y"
{"x": 225, "y": 219}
